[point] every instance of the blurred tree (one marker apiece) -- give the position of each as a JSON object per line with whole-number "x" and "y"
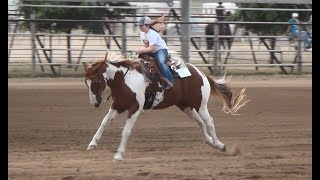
{"x": 74, "y": 14}
{"x": 267, "y": 16}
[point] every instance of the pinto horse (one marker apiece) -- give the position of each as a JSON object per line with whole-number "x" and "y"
{"x": 129, "y": 89}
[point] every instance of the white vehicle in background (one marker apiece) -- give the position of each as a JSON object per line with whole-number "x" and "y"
{"x": 210, "y": 8}
{"x": 196, "y": 29}
{"x": 157, "y": 9}
{"x": 199, "y": 28}
{"x": 151, "y": 9}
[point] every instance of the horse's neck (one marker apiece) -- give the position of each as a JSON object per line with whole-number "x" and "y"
{"x": 122, "y": 78}
{"x": 112, "y": 70}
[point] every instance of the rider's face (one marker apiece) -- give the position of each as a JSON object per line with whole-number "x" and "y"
{"x": 143, "y": 28}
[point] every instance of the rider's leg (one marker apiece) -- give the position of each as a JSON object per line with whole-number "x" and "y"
{"x": 306, "y": 40}
{"x": 161, "y": 57}
{"x": 209, "y": 43}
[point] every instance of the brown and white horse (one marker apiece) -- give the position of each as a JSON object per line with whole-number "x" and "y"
{"x": 129, "y": 89}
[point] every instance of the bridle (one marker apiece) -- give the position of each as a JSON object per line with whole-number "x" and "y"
{"x": 99, "y": 81}
{"x": 91, "y": 77}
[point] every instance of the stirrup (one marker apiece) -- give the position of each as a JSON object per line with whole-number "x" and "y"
{"x": 168, "y": 87}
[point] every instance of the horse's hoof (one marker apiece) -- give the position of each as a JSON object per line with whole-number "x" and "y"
{"x": 224, "y": 148}
{"x": 91, "y": 147}
{"x": 117, "y": 157}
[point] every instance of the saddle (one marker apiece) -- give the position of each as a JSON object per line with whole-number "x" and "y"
{"x": 152, "y": 74}
{"x": 151, "y": 68}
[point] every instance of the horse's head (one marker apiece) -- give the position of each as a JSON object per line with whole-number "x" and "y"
{"x": 95, "y": 81}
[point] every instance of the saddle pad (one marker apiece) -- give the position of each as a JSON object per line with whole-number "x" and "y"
{"x": 183, "y": 72}
{"x": 182, "y": 68}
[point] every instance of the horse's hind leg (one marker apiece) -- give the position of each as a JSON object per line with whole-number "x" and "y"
{"x": 204, "y": 114}
{"x": 106, "y": 120}
{"x": 192, "y": 113}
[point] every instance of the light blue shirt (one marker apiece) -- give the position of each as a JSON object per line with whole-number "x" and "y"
{"x": 293, "y": 27}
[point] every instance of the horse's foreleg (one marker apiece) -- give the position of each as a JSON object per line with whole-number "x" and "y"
{"x": 125, "y": 135}
{"x": 106, "y": 120}
{"x": 203, "y": 112}
{"x": 192, "y": 113}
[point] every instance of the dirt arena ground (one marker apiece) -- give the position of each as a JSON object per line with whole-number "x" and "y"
{"x": 50, "y": 124}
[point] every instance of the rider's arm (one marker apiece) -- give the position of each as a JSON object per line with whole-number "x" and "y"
{"x": 148, "y": 49}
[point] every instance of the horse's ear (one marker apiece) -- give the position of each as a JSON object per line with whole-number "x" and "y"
{"x": 85, "y": 65}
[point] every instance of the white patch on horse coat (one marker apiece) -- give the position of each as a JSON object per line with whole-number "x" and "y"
{"x": 205, "y": 89}
{"x": 137, "y": 86}
{"x": 111, "y": 72}
{"x": 93, "y": 99}
{"x": 158, "y": 98}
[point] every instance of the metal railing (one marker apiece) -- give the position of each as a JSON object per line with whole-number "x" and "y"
{"x": 47, "y": 46}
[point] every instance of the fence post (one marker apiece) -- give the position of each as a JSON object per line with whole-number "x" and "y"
{"x": 50, "y": 40}
{"x": 124, "y": 38}
{"x": 299, "y": 62}
{"x": 185, "y": 33}
{"x": 33, "y": 49}
{"x": 216, "y": 45}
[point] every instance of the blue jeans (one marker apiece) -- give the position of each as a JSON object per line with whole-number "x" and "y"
{"x": 304, "y": 38}
{"x": 161, "y": 57}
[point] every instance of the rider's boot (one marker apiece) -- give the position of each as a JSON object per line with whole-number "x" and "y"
{"x": 168, "y": 87}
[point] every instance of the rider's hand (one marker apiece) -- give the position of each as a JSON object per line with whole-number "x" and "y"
{"x": 137, "y": 51}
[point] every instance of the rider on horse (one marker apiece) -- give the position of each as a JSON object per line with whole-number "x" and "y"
{"x": 155, "y": 47}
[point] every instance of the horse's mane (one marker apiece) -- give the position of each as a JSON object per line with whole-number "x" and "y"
{"x": 117, "y": 60}
{"x": 94, "y": 69}
{"x": 120, "y": 60}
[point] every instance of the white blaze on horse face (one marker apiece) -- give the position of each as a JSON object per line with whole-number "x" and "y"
{"x": 93, "y": 99}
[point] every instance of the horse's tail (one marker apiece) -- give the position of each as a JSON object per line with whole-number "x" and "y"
{"x": 220, "y": 88}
